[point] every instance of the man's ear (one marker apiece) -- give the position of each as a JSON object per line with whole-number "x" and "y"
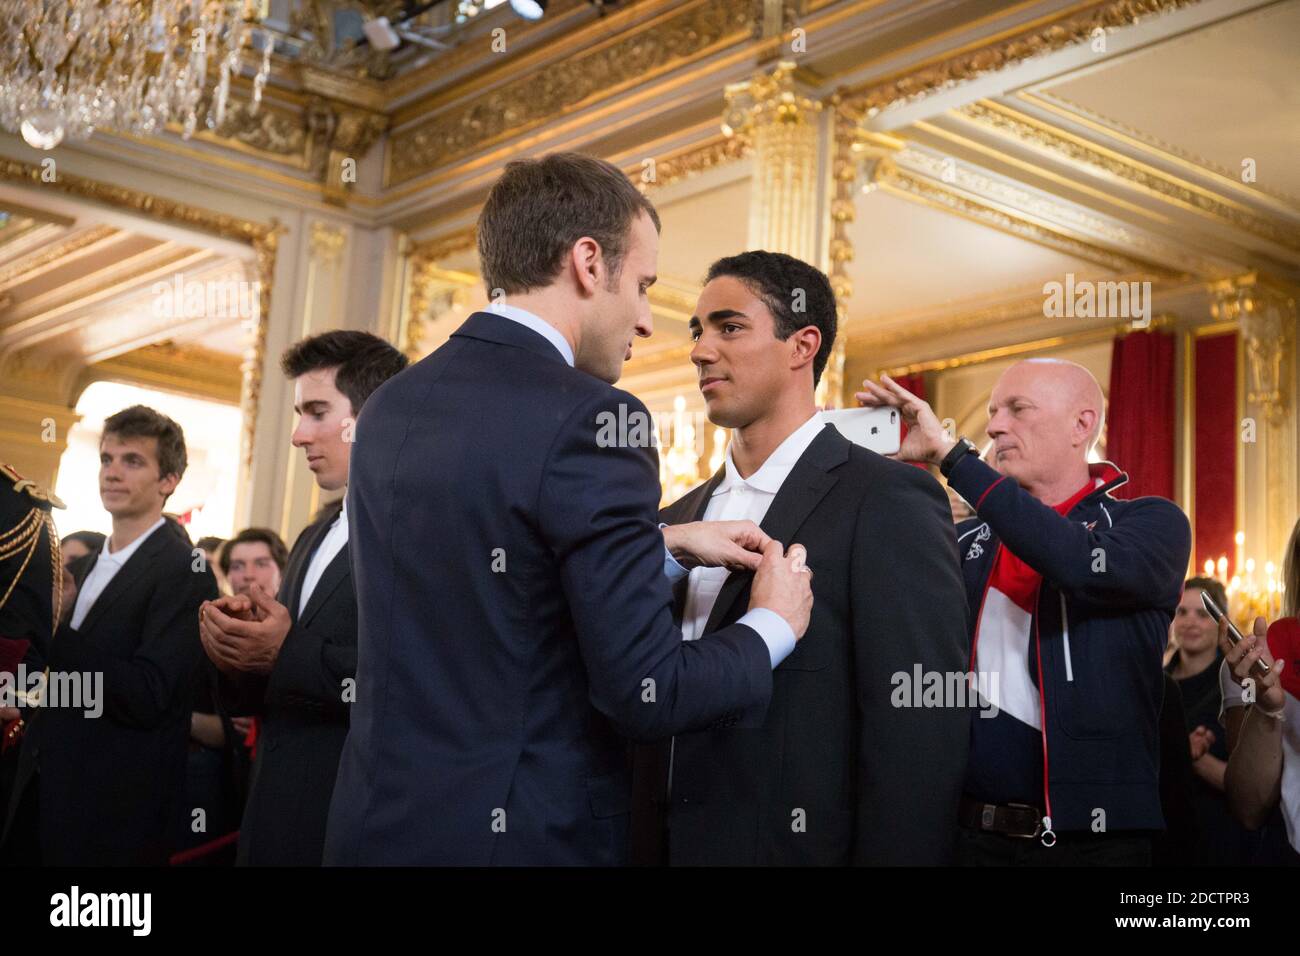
{"x": 588, "y": 264}
{"x": 806, "y": 343}
{"x": 168, "y": 484}
{"x": 1084, "y": 423}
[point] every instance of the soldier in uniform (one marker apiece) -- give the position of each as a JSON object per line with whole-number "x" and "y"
{"x": 31, "y": 574}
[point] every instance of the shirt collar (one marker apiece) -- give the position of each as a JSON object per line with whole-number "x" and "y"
{"x": 123, "y": 555}
{"x": 537, "y": 324}
{"x": 776, "y": 469}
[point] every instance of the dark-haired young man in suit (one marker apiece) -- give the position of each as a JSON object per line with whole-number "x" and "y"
{"x": 109, "y": 769}
{"x": 291, "y": 659}
{"x": 836, "y": 774}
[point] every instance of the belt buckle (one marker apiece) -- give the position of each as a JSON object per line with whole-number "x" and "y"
{"x": 1038, "y": 824}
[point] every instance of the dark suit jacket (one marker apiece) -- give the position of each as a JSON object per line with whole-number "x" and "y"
{"x": 110, "y": 787}
{"x": 303, "y": 710}
{"x": 836, "y": 774}
{"x": 514, "y": 615}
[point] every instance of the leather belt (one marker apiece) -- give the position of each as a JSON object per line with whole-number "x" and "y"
{"x": 1009, "y": 819}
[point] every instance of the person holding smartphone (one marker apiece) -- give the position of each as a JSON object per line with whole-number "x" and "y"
{"x": 1262, "y": 717}
{"x": 1071, "y": 592}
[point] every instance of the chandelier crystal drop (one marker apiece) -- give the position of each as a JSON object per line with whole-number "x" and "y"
{"x": 69, "y": 67}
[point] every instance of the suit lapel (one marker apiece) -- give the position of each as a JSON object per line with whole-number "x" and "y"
{"x": 336, "y": 572}
{"x": 126, "y": 576}
{"x": 690, "y": 507}
{"x": 801, "y": 492}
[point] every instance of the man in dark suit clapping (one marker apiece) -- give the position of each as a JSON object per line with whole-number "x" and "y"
{"x": 291, "y": 659}
{"x": 515, "y": 613}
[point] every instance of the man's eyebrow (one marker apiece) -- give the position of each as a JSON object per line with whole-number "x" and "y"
{"x": 308, "y": 405}
{"x": 718, "y": 315}
{"x": 649, "y": 280}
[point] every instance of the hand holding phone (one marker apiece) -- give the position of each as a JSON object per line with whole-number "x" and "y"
{"x": 1259, "y": 669}
{"x": 879, "y": 429}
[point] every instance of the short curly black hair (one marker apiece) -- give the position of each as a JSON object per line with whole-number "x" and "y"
{"x": 798, "y": 295}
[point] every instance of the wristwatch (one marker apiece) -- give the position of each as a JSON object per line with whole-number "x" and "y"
{"x": 959, "y": 451}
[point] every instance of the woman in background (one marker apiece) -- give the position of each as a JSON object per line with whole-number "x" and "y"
{"x": 1262, "y": 716}
{"x": 1195, "y": 667}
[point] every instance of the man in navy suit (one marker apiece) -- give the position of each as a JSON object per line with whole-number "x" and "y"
{"x": 513, "y": 586}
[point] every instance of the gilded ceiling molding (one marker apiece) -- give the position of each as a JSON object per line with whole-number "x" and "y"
{"x": 1044, "y": 38}
{"x": 1080, "y": 219}
{"x": 718, "y": 151}
{"x": 49, "y": 255}
{"x": 1167, "y": 152}
{"x": 189, "y": 369}
{"x": 528, "y": 100}
{"x": 263, "y": 238}
{"x": 275, "y": 134}
{"x": 345, "y": 135}
{"x": 1073, "y": 149}
{"x": 938, "y": 196}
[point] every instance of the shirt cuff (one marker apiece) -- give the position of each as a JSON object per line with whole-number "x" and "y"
{"x": 673, "y": 571}
{"x": 774, "y": 631}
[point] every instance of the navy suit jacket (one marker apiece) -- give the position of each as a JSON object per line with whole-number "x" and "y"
{"x": 304, "y": 705}
{"x": 515, "y": 624}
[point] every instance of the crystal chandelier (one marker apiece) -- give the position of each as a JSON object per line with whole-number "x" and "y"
{"x": 69, "y": 67}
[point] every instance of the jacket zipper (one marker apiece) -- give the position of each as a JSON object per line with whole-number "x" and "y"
{"x": 1065, "y": 635}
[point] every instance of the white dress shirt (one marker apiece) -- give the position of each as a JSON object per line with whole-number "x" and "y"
{"x": 741, "y": 499}
{"x": 106, "y": 567}
{"x": 335, "y": 538}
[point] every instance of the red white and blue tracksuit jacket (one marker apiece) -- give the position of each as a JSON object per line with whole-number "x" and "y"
{"x": 1111, "y": 576}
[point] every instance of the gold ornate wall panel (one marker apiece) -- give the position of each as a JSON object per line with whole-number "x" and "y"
{"x": 523, "y": 102}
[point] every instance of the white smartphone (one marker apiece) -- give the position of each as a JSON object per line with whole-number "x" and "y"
{"x": 879, "y": 429}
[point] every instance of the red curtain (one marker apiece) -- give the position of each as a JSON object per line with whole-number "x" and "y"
{"x": 1215, "y": 367}
{"x": 1140, "y": 422}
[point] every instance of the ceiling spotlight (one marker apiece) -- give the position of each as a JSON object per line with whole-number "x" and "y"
{"x": 381, "y": 34}
{"x": 529, "y": 9}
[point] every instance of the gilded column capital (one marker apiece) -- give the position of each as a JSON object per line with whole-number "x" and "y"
{"x": 775, "y": 113}
{"x": 781, "y": 95}
{"x": 1265, "y": 311}
{"x": 326, "y": 242}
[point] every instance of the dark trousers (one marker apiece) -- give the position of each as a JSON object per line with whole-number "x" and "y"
{"x": 980, "y": 848}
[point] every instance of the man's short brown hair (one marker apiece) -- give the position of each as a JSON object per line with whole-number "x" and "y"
{"x": 141, "y": 421}
{"x": 279, "y": 554}
{"x": 539, "y": 208}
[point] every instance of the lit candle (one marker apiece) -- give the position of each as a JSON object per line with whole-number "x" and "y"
{"x": 1240, "y": 539}
{"x": 1223, "y": 568}
{"x": 1209, "y": 567}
